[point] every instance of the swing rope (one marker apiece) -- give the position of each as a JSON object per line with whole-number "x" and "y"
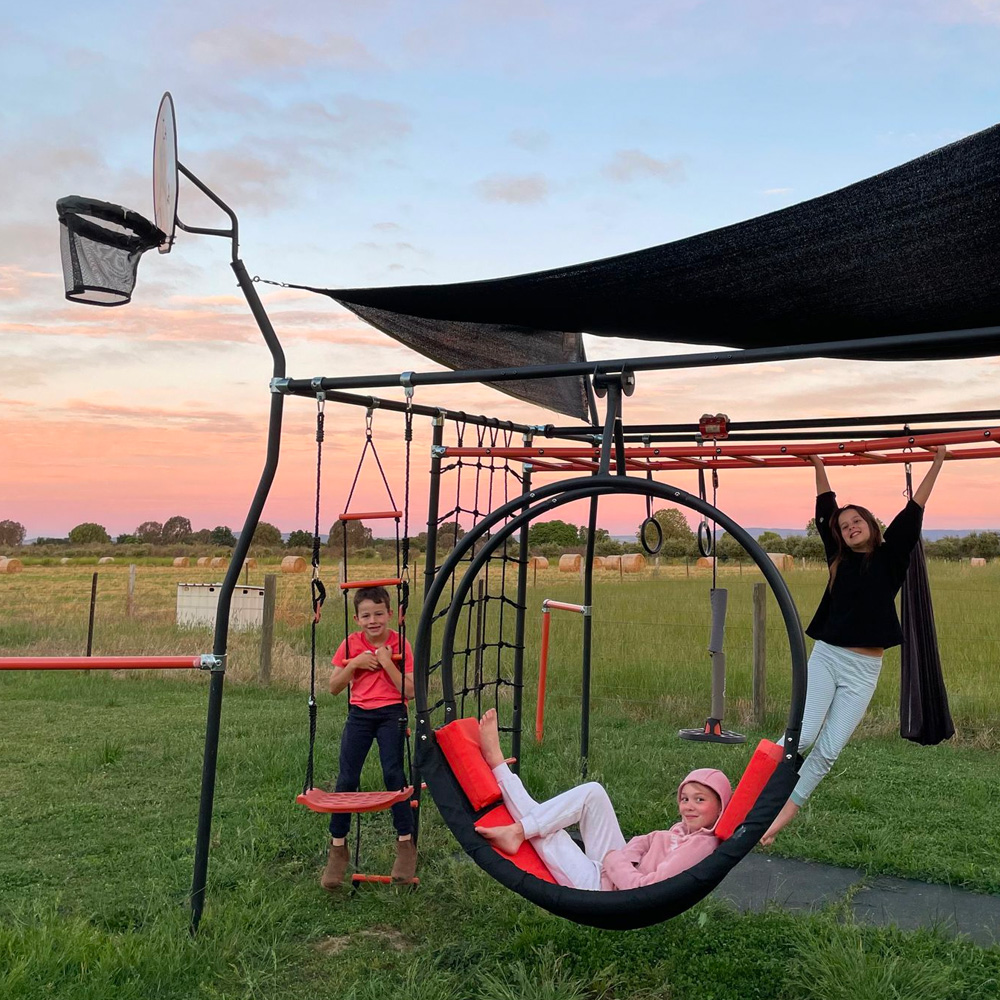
{"x": 318, "y": 593}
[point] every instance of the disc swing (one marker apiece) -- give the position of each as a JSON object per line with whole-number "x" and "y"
{"x": 358, "y": 802}
{"x": 712, "y": 732}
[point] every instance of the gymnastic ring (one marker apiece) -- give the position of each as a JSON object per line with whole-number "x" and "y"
{"x": 654, "y": 548}
{"x": 705, "y": 540}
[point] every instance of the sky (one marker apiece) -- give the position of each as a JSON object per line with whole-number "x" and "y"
{"x": 394, "y": 143}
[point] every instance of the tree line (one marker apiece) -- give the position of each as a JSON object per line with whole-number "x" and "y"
{"x": 548, "y": 538}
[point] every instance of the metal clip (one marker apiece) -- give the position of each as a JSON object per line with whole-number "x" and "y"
{"x": 279, "y": 385}
{"x": 209, "y": 661}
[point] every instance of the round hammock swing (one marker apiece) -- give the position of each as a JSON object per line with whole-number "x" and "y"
{"x": 613, "y": 910}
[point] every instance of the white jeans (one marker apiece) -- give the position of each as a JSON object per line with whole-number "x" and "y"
{"x": 545, "y": 826}
{"x": 840, "y": 686}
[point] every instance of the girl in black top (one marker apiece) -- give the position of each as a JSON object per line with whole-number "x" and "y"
{"x": 855, "y": 623}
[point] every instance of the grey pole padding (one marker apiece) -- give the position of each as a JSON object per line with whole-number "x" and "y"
{"x": 719, "y": 598}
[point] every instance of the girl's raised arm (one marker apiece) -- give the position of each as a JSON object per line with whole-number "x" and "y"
{"x": 923, "y": 491}
{"x": 822, "y": 482}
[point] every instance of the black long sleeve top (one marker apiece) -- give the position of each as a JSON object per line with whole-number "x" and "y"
{"x": 858, "y": 608}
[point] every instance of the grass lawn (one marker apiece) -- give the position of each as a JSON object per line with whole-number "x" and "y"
{"x": 98, "y": 807}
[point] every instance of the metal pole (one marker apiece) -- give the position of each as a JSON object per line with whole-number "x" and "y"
{"x": 519, "y": 618}
{"x": 221, "y": 639}
{"x": 588, "y": 623}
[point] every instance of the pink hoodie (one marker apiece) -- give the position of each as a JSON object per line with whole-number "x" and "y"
{"x": 663, "y": 853}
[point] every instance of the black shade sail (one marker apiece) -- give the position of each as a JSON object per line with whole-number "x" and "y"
{"x": 912, "y": 250}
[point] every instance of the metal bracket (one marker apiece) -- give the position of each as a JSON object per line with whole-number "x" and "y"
{"x": 406, "y": 381}
{"x": 209, "y": 661}
{"x": 279, "y": 385}
{"x": 438, "y": 450}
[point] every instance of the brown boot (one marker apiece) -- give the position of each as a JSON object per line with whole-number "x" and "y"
{"x": 336, "y": 867}
{"x": 404, "y": 868}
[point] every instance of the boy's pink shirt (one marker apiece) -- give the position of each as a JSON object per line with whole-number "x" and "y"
{"x": 372, "y": 688}
{"x": 656, "y": 856}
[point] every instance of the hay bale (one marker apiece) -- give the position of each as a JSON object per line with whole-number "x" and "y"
{"x": 598, "y": 562}
{"x": 181, "y": 561}
{"x": 977, "y": 561}
{"x": 10, "y": 565}
{"x": 204, "y": 560}
{"x": 250, "y": 563}
{"x": 293, "y": 564}
{"x": 538, "y": 562}
{"x": 104, "y": 560}
{"x": 570, "y": 562}
{"x": 633, "y": 563}
{"x": 613, "y": 563}
{"x": 705, "y": 562}
{"x": 218, "y": 562}
{"x": 64, "y": 561}
{"x": 782, "y": 560}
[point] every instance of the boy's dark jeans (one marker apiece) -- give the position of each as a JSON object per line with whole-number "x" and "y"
{"x": 362, "y": 727}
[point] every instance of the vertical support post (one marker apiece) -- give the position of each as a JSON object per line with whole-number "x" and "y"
{"x": 130, "y": 597}
{"x": 543, "y": 670}
{"x": 759, "y": 653}
{"x": 519, "y": 618}
{"x": 430, "y": 571}
{"x": 588, "y": 600}
{"x": 93, "y": 607}
{"x": 267, "y": 628}
{"x": 220, "y": 643}
{"x": 477, "y": 664}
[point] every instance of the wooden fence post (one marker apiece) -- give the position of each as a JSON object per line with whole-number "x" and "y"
{"x": 267, "y": 628}
{"x": 130, "y": 598}
{"x": 759, "y": 653}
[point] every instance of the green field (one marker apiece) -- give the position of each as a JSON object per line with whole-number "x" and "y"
{"x": 99, "y": 802}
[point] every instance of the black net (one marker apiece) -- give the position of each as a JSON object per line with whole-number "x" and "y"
{"x": 101, "y": 245}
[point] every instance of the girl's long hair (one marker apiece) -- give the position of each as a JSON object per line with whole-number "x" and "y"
{"x": 843, "y": 548}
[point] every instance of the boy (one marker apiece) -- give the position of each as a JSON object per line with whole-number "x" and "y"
{"x": 377, "y": 693}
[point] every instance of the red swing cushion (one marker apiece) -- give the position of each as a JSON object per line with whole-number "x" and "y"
{"x": 459, "y": 742}
{"x": 762, "y": 765}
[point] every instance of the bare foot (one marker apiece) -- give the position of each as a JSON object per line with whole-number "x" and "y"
{"x": 788, "y": 812}
{"x": 506, "y": 838}
{"x": 489, "y": 739}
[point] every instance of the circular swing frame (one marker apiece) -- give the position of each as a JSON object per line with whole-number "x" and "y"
{"x": 629, "y": 908}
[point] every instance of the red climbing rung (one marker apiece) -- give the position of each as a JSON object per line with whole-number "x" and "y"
{"x": 370, "y": 583}
{"x": 373, "y": 515}
{"x": 358, "y": 879}
{"x": 99, "y": 662}
{"x": 352, "y": 802}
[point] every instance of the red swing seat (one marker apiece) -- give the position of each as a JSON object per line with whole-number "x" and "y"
{"x": 352, "y": 802}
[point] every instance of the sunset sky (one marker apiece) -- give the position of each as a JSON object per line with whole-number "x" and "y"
{"x": 390, "y": 143}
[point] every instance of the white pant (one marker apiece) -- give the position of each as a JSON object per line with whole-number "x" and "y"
{"x": 840, "y": 686}
{"x": 545, "y": 826}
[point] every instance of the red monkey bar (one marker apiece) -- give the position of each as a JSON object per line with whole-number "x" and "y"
{"x": 106, "y": 662}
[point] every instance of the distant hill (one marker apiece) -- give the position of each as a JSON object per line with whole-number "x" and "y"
{"x": 930, "y": 534}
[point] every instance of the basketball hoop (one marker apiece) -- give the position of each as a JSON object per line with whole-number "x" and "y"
{"x": 101, "y": 246}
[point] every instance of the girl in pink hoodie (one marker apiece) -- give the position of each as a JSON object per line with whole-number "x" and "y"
{"x": 605, "y": 861}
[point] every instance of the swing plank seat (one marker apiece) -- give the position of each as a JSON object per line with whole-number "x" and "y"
{"x": 352, "y": 802}
{"x": 374, "y": 515}
{"x": 358, "y": 879}
{"x": 357, "y": 585}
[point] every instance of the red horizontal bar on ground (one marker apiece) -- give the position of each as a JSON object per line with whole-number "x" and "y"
{"x": 372, "y": 515}
{"x": 352, "y": 802}
{"x": 383, "y": 880}
{"x": 370, "y": 583}
{"x": 99, "y": 662}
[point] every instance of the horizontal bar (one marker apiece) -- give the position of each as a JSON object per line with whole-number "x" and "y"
{"x": 372, "y": 515}
{"x": 548, "y": 606}
{"x": 371, "y": 583}
{"x": 359, "y": 879}
{"x": 552, "y": 430}
{"x": 750, "y": 356}
{"x": 703, "y": 452}
{"x": 100, "y": 662}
